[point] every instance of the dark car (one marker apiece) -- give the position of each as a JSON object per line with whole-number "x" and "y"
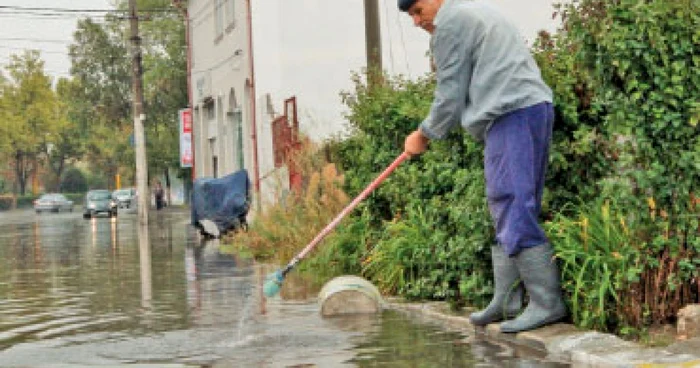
{"x": 53, "y": 202}
{"x": 99, "y": 201}
{"x": 125, "y": 198}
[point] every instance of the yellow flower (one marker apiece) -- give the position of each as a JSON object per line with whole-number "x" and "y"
{"x": 652, "y": 203}
{"x": 624, "y": 225}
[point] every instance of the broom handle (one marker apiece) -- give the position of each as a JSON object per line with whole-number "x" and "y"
{"x": 351, "y": 206}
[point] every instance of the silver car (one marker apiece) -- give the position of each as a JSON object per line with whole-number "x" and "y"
{"x": 125, "y": 198}
{"x": 53, "y": 202}
{"x": 99, "y": 201}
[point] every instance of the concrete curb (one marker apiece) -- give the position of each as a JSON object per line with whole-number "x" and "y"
{"x": 564, "y": 343}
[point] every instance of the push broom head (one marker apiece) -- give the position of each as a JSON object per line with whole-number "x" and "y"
{"x": 273, "y": 284}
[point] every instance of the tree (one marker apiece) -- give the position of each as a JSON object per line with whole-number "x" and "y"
{"x": 66, "y": 145}
{"x": 102, "y": 104}
{"x": 29, "y": 107}
{"x": 165, "y": 81}
{"x": 100, "y": 94}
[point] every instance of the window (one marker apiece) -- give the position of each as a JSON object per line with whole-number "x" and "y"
{"x": 218, "y": 18}
{"x": 210, "y": 115}
{"x": 230, "y": 13}
{"x": 238, "y": 131}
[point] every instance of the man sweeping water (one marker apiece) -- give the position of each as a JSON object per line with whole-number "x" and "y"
{"x": 488, "y": 83}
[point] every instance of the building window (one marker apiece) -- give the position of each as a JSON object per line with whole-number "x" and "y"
{"x": 230, "y": 14}
{"x": 237, "y": 118}
{"x": 218, "y": 19}
{"x": 210, "y": 116}
{"x": 209, "y": 111}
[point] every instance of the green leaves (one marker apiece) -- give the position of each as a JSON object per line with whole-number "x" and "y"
{"x": 30, "y": 118}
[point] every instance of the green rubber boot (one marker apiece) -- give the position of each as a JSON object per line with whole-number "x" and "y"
{"x": 508, "y": 291}
{"x": 541, "y": 278}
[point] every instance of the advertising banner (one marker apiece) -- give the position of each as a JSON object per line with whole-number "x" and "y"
{"x": 186, "y": 154}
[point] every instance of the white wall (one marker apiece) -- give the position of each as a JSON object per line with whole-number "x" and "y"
{"x": 309, "y": 48}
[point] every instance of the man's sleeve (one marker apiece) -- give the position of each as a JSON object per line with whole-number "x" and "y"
{"x": 452, "y": 51}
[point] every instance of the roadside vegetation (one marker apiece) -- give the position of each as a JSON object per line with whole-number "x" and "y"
{"x": 621, "y": 205}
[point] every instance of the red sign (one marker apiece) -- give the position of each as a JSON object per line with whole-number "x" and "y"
{"x": 186, "y": 159}
{"x": 186, "y": 121}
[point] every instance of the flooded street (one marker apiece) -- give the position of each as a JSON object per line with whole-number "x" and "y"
{"x": 79, "y": 293}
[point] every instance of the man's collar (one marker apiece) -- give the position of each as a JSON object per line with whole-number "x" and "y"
{"x": 442, "y": 11}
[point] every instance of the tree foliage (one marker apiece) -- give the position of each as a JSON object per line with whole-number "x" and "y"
{"x": 626, "y": 76}
{"x": 102, "y": 94}
{"x": 30, "y": 115}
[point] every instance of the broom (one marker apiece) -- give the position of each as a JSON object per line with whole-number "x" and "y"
{"x": 274, "y": 280}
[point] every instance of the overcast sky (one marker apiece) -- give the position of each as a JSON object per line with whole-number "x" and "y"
{"x": 51, "y": 34}
{"x": 402, "y": 44}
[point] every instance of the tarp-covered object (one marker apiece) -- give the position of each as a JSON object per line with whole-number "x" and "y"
{"x": 224, "y": 201}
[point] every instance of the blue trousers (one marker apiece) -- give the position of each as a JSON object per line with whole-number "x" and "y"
{"x": 515, "y": 163}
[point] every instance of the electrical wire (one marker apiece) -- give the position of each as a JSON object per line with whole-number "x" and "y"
{"x": 388, "y": 33}
{"x": 403, "y": 44}
{"x": 74, "y": 10}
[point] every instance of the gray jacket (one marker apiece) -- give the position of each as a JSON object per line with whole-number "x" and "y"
{"x": 484, "y": 70}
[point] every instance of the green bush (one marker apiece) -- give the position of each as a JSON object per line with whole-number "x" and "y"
{"x": 5, "y": 202}
{"x": 74, "y": 181}
{"x": 428, "y": 225}
{"x": 26, "y": 201}
{"x": 628, "y": 94}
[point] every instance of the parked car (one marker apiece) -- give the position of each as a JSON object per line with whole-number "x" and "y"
{"x": 53, "y": 202}
{"x": 125, "y": 198}
{"x": 99, "y": 201}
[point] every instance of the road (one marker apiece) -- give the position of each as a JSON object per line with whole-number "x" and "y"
{"x": 89, "y": 293}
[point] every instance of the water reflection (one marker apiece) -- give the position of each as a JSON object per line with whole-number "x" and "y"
{"x": 105, "y": 292}
{"x": 145, "y": 263}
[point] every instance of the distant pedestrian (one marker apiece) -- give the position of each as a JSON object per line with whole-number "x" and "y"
{"x": 160, "y": 196}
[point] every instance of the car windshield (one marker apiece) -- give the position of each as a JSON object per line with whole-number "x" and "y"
{"x": 50, "y": 197}
{"x": 122, "y": 192}
{"x": 96, "y": 196}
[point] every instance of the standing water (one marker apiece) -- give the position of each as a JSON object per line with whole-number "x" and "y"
{"x": 91, "y": 293}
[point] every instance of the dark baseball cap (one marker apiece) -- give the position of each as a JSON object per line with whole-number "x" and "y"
{"x": 404, "y": 5}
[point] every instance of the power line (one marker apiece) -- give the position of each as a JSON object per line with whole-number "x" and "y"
{"x": 39, "y": 40}
{"x": 403, "y": 44}
{"x": 388, "y": 33}
{"x": 40, "y": 50}
{"x": 74, "y": 10}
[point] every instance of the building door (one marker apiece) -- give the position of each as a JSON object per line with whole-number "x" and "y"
{"x": 238, "y": 126}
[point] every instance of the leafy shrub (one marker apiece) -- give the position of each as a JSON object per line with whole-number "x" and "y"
{"x": 74, "y": 181}
{"x": 6, "y": 202}
{"x": 625, "y": 79}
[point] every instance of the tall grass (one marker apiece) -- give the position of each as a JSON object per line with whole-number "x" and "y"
{"x": 296, "y": 217}
{"x": 599, "y": 256}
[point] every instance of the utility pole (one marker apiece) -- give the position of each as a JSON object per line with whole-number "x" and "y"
{"x": 373, "y": 40}
{"x": 139, "y": 117}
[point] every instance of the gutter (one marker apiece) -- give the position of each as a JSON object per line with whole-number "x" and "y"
{"x": 253, "y": 97}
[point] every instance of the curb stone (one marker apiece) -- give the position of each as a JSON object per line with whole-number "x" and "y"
{"x": 564, "y": 343}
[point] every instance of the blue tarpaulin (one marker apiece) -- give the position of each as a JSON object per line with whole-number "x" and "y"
{"x": 224, "y": 201}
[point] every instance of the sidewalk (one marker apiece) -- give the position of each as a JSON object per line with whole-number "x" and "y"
{"x": 564, "y": 343}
